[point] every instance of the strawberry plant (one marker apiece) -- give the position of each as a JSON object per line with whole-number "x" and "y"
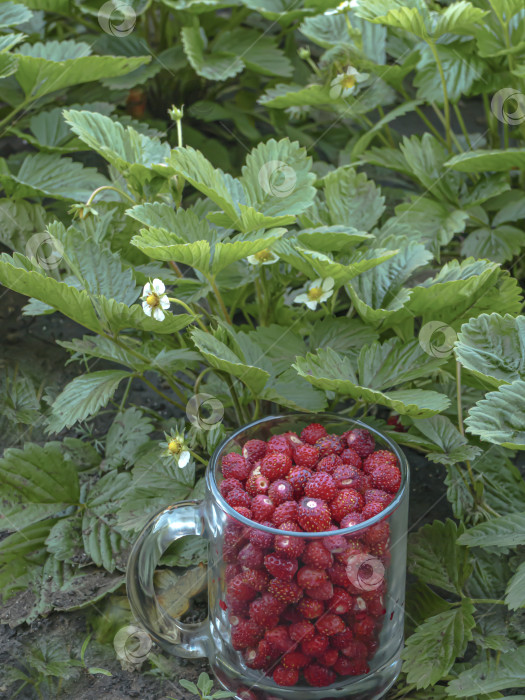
{"x": 332, "y": 262}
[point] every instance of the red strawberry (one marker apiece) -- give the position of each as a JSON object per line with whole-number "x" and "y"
{"x": 329, "y": 463}
{"x": 292, "y": 438}
{"x": 330, "y": 444}
{"x": 256, "y": 578}
{"x": 313, "y": 515}
{"x": 263, "y": 614}
{"x": 306, "y": 456}
{"x": 238, "y": 497}
{"x": 301, "y": 631}
{"x": 315, "y": 646}
{"x": 290, "y": 526}
{"x": 343, "y": 639}
{"x": 351, "y": 458}
{"x": 376, "y": 606}
{"x": 338, "y": 576}
{"x": 298, "y": 478}
{"x": 378, "y": 496}
{"x": 228, "y": 485}
{"x": 251, "y": 556}
{"x": 309, "y": 577}
{"x": 353, "y": 519}
{"x": 348, "y": 477}
{"x": 286, "y": 512}
{"x": 291, "y": 614}
{"x": 281, "y": 567}
{"x": 377, "y": 533}
{"x": 386, "y": 477}
{"x": 279, "y": 443}
{"x": 316, "y": 555}
{"x": 294, "y": 659}
{"x": 357, "y": 667}
{"x": 254, "y": 450}
{"x": 361, "y": 441}
{"x": 246, "y": 634}
{"x": 312, "y": 433}
{"x": 372, "y": 509}
{"x": 340, "y": 602}
{"x": 323, "y": 591}
{"x": 379, "y": 459}
{"x": 353, "y": 648}
{"x": 335, "y": 543}
{"x": 256, "y": 483}
{"x": 235, "y": 466}
{"x": 346, "y": 501}
{"x": 280, "y": 491}
{"x": 330, "y": 624}
{"x": 245, "y": 693}
{"x": 291, "y": 547}
{"x": 230, "y": 554}
{"x": 239, "y": 590}
{"x": 396, "y": 423}
{"x": 343, "y": 666}
{"x": 275, "y": 465}
{"x": 235, "y": 533}
{"x": 231, "y": 571}
{"x": 262, "y": 508}
{"x": 242, "y": 510}
{"x": 259, "y": 657}
{"x": 310, "y": 609}
{"x": 329, "y": 658}
{"x": 285, "y": 591}
{"x": 279, "y": 638}
{"x": 320, "y": 485}
{"x": 285, "y": 676}
{"x": 319, "y": 676}
{"x": 261, "y": 539}
{"x": 365, "y": 626}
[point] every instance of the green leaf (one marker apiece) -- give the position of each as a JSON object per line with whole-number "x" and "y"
{"x": 326, "y": 30}
{"x": 162, "y": 245}
{"x": 55, "y": 65}
{"x": 64, "y": 541}
{"x": 188, "y": 685}
{"x": 283, "y": 11}
{"x": 492, "y": 421}
{"x": 287, "y": 390}
{"x": 258, "y": 52}
{"x": 36, "y": 482}
{"x": 343, "y": 335}
{"x": 190, "y": 550}
{"x": 363, "y": 141}
{"x": 505, "y": 531}
{"x": 431, "y": 651}
{"x": 396, "y": 14}
{"x": 499, "y": 244}
{"x": 507, "y": 671}
{"x": 289, "y": 95}
{"x": 83, "y": 397}
{"x": 226, "y": 253}
{"x": 451, "y": 446}
{"x": 458, "y": 18}
{"x": 280, "y": 344}
{"x": 215, "y": 65}
{"x": 205, "y": 683}
{"x": 481, "y": 160}
{"x": 461, "y": 67}
{"x": 436, "y": 558}
{"x": 422, "y": 602}
{"x": 515, "y": 597}
{"x": 352, "y": 199}
{"x": 8, "y": 65}
{"x": 12, "y": 14}
{"x": 127, "y": 434}
{"x": 426, "y": 159}
{"x": 341, "y": 239}
{"x": 504, "y": 487}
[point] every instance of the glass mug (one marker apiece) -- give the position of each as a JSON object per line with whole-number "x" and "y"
{"x": 373, "y": 575}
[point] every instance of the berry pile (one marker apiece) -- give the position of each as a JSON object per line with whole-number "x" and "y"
{"x": 303, "y": 605}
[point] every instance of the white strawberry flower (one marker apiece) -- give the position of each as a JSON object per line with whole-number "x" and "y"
{"x": 344, "y": 84}
{"x": 316, "y": 292}
{"x": 176, "y": 448}
{"x": 343, "y": 7}
{"x": 154, "y": 301}
{"x": 263, "y": 257}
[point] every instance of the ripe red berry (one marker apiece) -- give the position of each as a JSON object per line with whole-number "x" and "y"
{"x": 380, "y": 458}
{"x": 310, "y": 609}
{"x": 234, "y": 533}
{"x": 259, "y": 657}
{"x": 251, "y": 556}
{"x": 230, "y": 554}
{"x": 329, "y": 657}
{"x": 323, "y": 591}
{"x": 286, "y": 512}
{"x": 350, "y": 457}
{"x": 335, "y": 543}
{"x": 312, "y": 433}
{"x": 281, "y": 567}
{"x": 261, "y": 539}
{"x": 275, "y": 465}
{"x": 292, "y": 438}
{"x": 378, "y": 496}
{"x": 280, "y": 492}
{"x": 365, "y": 626}
{"x": 361, "y": 441}
{"x": 231, "y": 571}
{"x": 353, "y": 648}
{"x": 242, "y": 510}
{"x": 372, "y": 509}
{"x": 298, "y": 478}
{"x": 294, "y": 659}
{"x": 254, "y": 450}
{"x": 316, "y": 555}
{"x": 291, "y": 547}
{"x": 353, "y": 519}
{"x": 338, "y": 576}
{"x": 396, "y": 423}
{"x": 330, "y": 444}
{"x": 386, "y": 477}
{"x": 301, "y": 631}
{"x": 279, "y": 443}
{"x": 256, "y": 483}
{"x": 262, "y": 508}
{"x": 343, "y": 665}
{"x": 239, "y": 590}
{"x": 285, "y": 676}
{"x": 319, "y": 676}
{"x": 330, "y": 624}
{"x": 263, "y": 614}
{"x": 235, "y": 466}
{"x": 290, "y": 526}
{"x": 308, "y": 577}
{"x": 341, "y": 602}
{"x": 246, "y": 694}
{"x": 238, "y": 497}
{"x": 320, "y": 485}
{"x": 342, "y": 639}
{"x": 279, "y": 638}
{"x": 306, "y": 456}
{"x": 357, "y": 667}
{"x": 377, "y": 533}
{"x": 348, "y": 477}
{"x": 285, "y": 591}
{"x": 228, "y": 485}
{"x": 329, "y": 463}
{"x": 246, "y": 634}
{"x": 346, "y": 501}
{"x": 313, "y": 515}
{"x": 376, "y": 606}
{"x": 315, "y": 646}
{"x": 256, "y": 578}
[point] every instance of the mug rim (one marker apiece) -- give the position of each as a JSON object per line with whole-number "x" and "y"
{"x": 392, "y": 506}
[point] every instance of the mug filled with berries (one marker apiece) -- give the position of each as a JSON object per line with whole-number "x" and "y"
{"x": 306, "y": 521}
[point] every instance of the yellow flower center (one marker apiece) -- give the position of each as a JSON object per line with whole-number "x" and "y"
{"x": 264, "y": 255}
{"x": 174, "y": 447}
{"x": 153, "y": 299}
{"x": 315, "y": 293}
{"x": 348, "y": 81}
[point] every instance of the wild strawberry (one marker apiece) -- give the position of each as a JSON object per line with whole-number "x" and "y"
{"x": 261, "y": 539}
{"x": 376, "y": 606}
{"x": 378, "y": 496}
{"x": 306, "y": 456}
{"x": 357, "y": 667}
{"x": 242, "y": 510}
{"x": 353, "y": 519}
{"x": 335, "y": 543}
{"x": 291, "y": 614}
{"x": 246, "y": 634}
{"x": 298, "y": 478}
{"x": 310, "y": 609}
{"x": 329, "y": 657}
{"x": 291, "y": 547}
{"x": 280, "y": 567}
{"x": 346, "y": 501}
{"x": 290, "y": 526}
{"x": 309, "y": 577}
{"x": 343, "y": 666}
{"x": 313, "y": 515}
{"x": 256, "y": 483}
{"x": 351, "y": 458}
{"x": 312, "y": 433}
{"x": 280, "y": 492}
{"x": 316, "y": 555}
{"x": 348, "y": 477}
{"x": 238, "y": 589}
{"x": 279, "y": 443}
{"x": 228, "y": 485}
{"x": 258, "y": 657}
{"x": 359, "y": 606}
{"x": 301, "y": 631}
{"x": 395, "y": 422}
{"x": 353, "y": 648}
{"x": 279, "y": 638}
{"x": 329, "y": 463}
{"x": 262, "y": 508}
{"x": 294, "y": 659}
{"x": 293, "y": 438}
{"x": 340, "y": 602}
{"x": 387, "y": 478}
{"x": 330, "y": 444}
{"x": 286, "y": 512}
{"x": 254, "y": 450}
{"x": 330, "y": 624}
{"x": 245, "y": 693}
{"x": 338, "y": 575}
{"x": 251, "y": 556}
{"x": 365, "y": 626}
{"x": 377, "y": 533}
{"x": 275, "y": 465}
{"x": 238, "y": 497}
{"x": 256, "y": 578}
{"x": 319, "y": 676}
{"x": 372, "y": 645}
{"x": 263, "y": 614}
{"x": 285, "y": 676}
{"x": 235, "y": 466}
{"x": 372, "y": 509}
{"x": 285, "y": 591}
{"x": 320, "y": 485}
{"x": 231, "y": 571}
{"x": 323, "y": 591}
{"x": 230, "y": 554}
{"x": 361, "y": 441}
{"x": 380, "y": 458}
{"x": 234, "y": 533}
{"x": 315, "y": 646}
{"x": 342, "y": 639}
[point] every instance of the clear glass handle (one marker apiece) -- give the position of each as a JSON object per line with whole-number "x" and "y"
{"x": 186, "y": 640}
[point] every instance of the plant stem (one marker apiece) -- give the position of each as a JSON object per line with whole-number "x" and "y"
{"x": 462, "y": 125}
{"x": 161, "y": 393}
{"x": 487, "y": 601}
{"x": 125, "y": 395}
{"x": 224, "y": 310}
{"x": 108, "y": 187}
{"x": 15, "y": 111}
{"x": 235, "y": 398}
{"x": 459, "y": 402}
{"x": 198, "y": 458}
{"x": 190, "y": 311}
{"x": 387, "y": 127}
{"x": 446, "y": 103}
{"x": 176, "y": 269}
